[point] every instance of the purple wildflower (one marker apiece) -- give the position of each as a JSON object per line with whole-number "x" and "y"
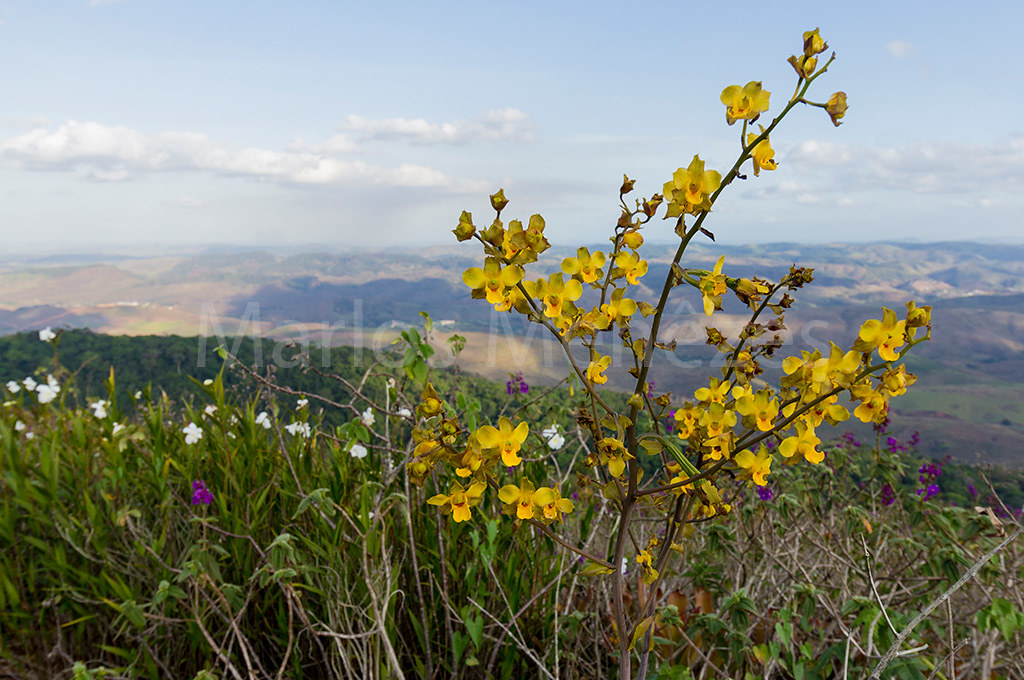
{"x": 895, "y": 446}
{"x": 888, "y": 495}
{"x": 515, "y": 384}
{"x": 928, "y": 476}
{"x": 850, "y": 439}
{"x": 914, "y": 439}
{"x": 200, "y": 494}
{"x": 971, "y": 491}
{"x": 764, "y": 493}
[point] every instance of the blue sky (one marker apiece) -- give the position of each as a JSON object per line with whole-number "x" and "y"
{"x": 148, "y": 122}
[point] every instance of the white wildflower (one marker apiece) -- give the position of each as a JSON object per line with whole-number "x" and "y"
{"x": 13, "y": 386}
{"x": 553, "y": 437}
{"x": 138, "y": 394}
{"x": 299, "y": 429}
{"x": 210, "y": 410}
{"x": 117, "y": 428}
{"x": 47, "y": 334}
{"x": 263, "y": 419}
{"x": 99, "y": 408}
{"x": 29, "y": 384}
{"x": 19, "y": 426}
{"x": 47, "y": 393}
{"x": 30, "y": 435}
{"x": 301, "y": 403}
{"x": 404, "y": 412}
{"x": 208, "y": 382}
{"x": 193, "y": 433}
{"x": 358, "y": 451}
{"x": 368, "y": 418}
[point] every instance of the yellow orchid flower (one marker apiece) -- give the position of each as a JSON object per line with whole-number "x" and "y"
{"x": 714, "y": 393}
{"x": 631, "y": 266}
{"x": 803, "y": 442}
{"x": 633, "y": 239}
{"x": 763, "y": 154}
{"x": 686, "y": 420}
{"x": 619, "y": 308}
{"x": 612, "y": 452}
{"x": 717, "y": 419}
{"x": 596, "y": 369}
{"x": 555, "y": 295}
{"x": 459, "y": 500}
{"x": 586, "y": 266}
{"x": 492, "y": 282}
{"x": 757, "y": 465}
{"x": 744, "y": 103}
{"x": 761, "y": 408}
{"x": 551, "y": 503}
{"x": 886, "y": 335}
{"x": 827, "y": 411}
{"x": 690, "y": 190}
{"x": 506, "y": 439}
{"x": 712, "y": 287}
{"x": 522, "y": 497}
{"x": 720, "y": 445}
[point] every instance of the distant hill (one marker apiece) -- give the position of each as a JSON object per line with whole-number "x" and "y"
{"x": 969, "y": 400}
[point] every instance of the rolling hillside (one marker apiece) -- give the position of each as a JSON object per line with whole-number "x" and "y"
{"x": 969, "y": 402}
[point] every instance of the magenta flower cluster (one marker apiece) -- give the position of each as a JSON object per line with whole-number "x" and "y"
{"x": 516, "y": 385}
{"x": 200, "y": 494}
{"x": 888, "y": 495}
{"x": 928, "y": 477}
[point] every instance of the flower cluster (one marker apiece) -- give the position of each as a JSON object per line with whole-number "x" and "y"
{"x": 200, "y": 494}
{"x": 927, "y": 479}
{"x": 738, "y": 424}
{"x": 45, "y": 392}
{"x": 480, "y": 456}
{"x": 516, "y": 385}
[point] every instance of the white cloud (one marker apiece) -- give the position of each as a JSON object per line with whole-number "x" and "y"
{"x": 118, "y": 153}
{"x": 922, "y": 167}
{"x": 898, "y": 48}
{"x": 501, "y": 124}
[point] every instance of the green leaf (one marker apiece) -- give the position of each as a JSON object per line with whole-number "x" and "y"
{"x": 475, "y": 628}
{"x": 595, "y": 569}
{"x": 640, "y": 630}
{"x": 652, "y": 446}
